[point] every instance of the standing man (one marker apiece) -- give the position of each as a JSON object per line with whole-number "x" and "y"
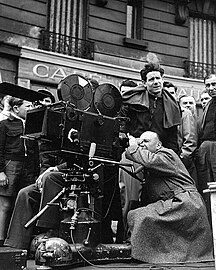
{"x": 188, "y": 134}
{"x": 47, "y": 100}
{"x": 13, "y": 159}
{"x": 204, "y": 98}
{"x": 189, "y": 103}
{"x": 207, "y": 150}
{"x": 149, "y": 107}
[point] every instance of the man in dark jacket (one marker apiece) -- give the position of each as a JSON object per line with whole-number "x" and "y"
{"x": 206, "y": 162}
{"x": 14, "y": 159}
{"x": 35, "y": 196}
{"x": 149, "y": 107}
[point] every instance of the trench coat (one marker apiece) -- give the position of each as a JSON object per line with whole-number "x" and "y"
{"x": 173, "y": 226}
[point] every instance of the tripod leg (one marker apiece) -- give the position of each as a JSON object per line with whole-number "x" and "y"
{"x": 31, "y": 221}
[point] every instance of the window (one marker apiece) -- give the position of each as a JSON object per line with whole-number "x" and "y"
{"x": 67, "y": 17}
{"x": 202, "y": 52}
{"x": 202, "y": 41}
{"x": 134, "y": 23}
{"x": 67, "y": 29}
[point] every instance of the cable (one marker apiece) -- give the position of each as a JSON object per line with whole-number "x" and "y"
{"x": 161, "y": 266}
{"x": 111, "y": 199}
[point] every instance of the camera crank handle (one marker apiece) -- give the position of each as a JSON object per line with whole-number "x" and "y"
{"x": 92, "y": 150}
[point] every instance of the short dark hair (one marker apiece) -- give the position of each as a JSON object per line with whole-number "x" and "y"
{"x": 48, "y": 93}
{"x": 151, "y": 67}
{"x": 15, "y": 102}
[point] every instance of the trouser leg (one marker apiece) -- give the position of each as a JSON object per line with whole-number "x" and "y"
{"x": 5, "y": 212}
{"x": 26, "y": 205}
{"x": 52, "y": 184}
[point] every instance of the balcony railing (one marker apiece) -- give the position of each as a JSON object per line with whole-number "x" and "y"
{"x": 198, "y": 70}
{"x": 68, "y": 45}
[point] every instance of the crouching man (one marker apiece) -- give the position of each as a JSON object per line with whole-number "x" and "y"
{"x": 173, "y": 226}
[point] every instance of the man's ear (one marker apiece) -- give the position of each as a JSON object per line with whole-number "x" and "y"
{"x": 159, "y": 144}
{"x": 15, "y": 109}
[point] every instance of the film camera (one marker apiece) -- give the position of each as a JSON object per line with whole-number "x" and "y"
{"x": 83, "y": 121}
{"x": 85, "y": 127}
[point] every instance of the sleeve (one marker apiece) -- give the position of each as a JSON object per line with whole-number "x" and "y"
{"x": 2, "y": 145}
{"x": 161, "y": 162}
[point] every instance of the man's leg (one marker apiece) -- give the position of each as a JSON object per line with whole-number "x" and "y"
{"x": 53, "y": 183}
{"x": 26, "y": 206}
{"x": 8, "y": 193}
{"x": 5, "y": 208}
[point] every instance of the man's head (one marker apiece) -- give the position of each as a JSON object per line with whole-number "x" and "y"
{"x": 47, "y": 100}
{"x": 152, "y": 75}
{"x": 204, "y": 98}
{"x": 154, "y": 83}
{"x": 188, "y": 102}
{"x": 150, "y": 141}
{"x": 20, "y": 106}
{"x": 171, "y": 88}
{"x": 210, "y": 84}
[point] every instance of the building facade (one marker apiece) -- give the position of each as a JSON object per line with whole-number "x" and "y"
{"x": 42, "y": 41}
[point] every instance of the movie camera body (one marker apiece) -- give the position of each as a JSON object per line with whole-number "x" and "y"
{"x": 86, "y": 127}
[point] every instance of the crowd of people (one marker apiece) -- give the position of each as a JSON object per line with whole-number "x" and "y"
{"x": 166, "y": 216}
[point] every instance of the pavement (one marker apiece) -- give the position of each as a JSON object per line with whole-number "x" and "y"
{"x": 132, "y": 266}
{"x": 12, "y": 259}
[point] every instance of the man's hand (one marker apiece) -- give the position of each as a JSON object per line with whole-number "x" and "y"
{"x": 39, "y": 182}
{"x": 3, "y": 179}
{"x": 132, "y": 140}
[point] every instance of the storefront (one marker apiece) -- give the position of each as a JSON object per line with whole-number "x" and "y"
{"x": 40, "y": 69}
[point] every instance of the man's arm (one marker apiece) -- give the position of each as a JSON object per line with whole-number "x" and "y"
{"x": 2, "y": 145}
{"x": 162, "y": 161}
{"x": 3, "y": 177}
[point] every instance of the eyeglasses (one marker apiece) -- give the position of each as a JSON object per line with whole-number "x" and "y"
{"x": 210, "y": 84}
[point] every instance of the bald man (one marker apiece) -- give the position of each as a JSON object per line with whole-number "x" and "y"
{"x": 173, "y": 226}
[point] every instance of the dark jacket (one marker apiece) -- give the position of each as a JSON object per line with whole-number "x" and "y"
{"x": 11, "y": 145}
{"x": 162, "y": 119}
